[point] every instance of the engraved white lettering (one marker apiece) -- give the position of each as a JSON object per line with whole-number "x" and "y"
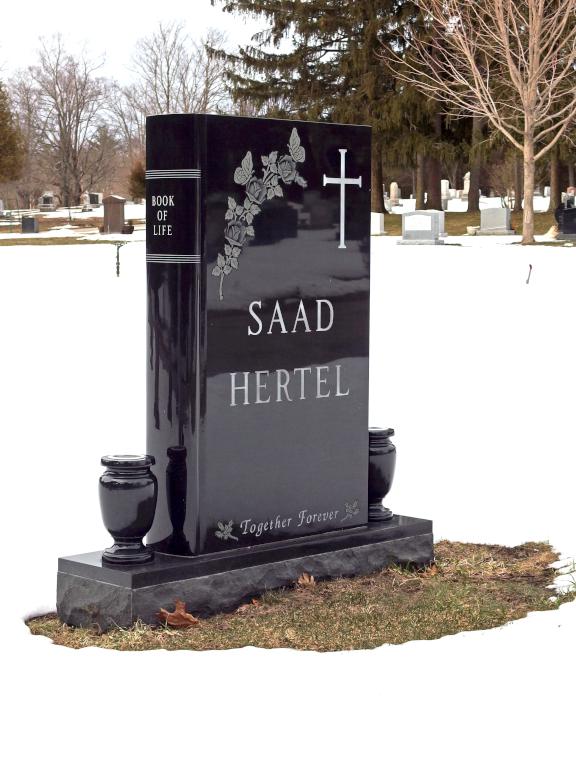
{"x": 320, "y": 380}
{"x": 301, "y": 318}
{"x": 319, "y": 304}
{"x": 277, "y": 318}
{"x": 255, "y": 316}
{"x": 339, "y": 392}
{"x": 260, "y": 386}
{"x": 242, "y": 387}
{"x": 282, "y": 386}
{"x": 301, "y": 371}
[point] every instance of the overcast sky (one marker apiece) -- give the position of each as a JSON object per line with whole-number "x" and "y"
{"x": 105, "y": 27}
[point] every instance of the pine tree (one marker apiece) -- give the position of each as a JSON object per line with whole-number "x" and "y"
{"x": 333, "y": 71}
{"x": 11, "y": 145}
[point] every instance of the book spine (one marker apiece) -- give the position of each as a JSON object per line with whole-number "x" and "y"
{"x": 174, "y": 263}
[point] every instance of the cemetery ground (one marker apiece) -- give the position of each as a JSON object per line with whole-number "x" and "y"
{"x": 472, "y": 366}
{"x": 469, "y": 587}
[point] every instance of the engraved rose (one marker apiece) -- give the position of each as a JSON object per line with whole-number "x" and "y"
{"x": 287, "y": 169}
{"x": 256, "y": 190}
{"x": 235, "y": 233}
{"x": 240, "y": 216}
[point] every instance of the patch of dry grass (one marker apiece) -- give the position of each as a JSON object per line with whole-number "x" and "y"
{"x": 470, "y": 587}
{"x": 51, "y": 241}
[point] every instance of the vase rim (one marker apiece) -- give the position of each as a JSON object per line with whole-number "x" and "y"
{"x": 381, "y": 432}
{"x": 128, "y": 460}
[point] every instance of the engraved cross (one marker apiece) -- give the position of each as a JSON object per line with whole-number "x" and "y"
{"x": 342, "y": 181}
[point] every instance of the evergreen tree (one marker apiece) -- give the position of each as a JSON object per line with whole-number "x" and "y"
{"x": 334, "y": 69}
{"x": 11, "y": 145}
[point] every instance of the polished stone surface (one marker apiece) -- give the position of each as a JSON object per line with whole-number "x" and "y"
{"x": 91, "y": 592}
{"x": 258, "y": 318}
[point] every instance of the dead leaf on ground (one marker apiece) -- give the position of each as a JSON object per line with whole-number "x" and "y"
{"x": 246, "y": 606}
{"x": 432, "y": 570}
{"x": 178, "y": 618}
{"x": 306, "y": 580}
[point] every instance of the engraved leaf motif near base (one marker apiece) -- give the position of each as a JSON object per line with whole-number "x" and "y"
{"x": 224, "y": 531}
{"x": 352, "y": 510}
{"x": 277, "y": 169}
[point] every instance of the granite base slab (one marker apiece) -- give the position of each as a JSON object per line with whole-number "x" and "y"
{"x": 93, "y": 593}
{"x": 420, "y": 242}
{"x": 496, "y": 232}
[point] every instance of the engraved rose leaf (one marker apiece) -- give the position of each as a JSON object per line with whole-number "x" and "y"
{"x": 220, "y": 260}
{"x": 234, "y": 262}
{"x": 216, "y": 271}
{"x": 298, "y": 153}
{"x": 278, "y": 191}
{"x": 273, "y": 156}
{"x": 227, "y": 249}
{"x": 270, "y": 193}
{"x": 231, "y": 203}
{"x": 264, "y": 159}
{"x": 247, "y": 165}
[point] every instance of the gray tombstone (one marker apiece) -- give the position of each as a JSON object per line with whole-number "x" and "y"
{"x": 422, "y": 228}
{"x": 1, "y": 207}
{"x": 47, "y": 201}
{"x": 29, "y": 225}
{"x": 395, "y": 193}
{"x": 445, "y": 191}
{"x": 495, "y": 221}
{"x": 113, "y": 214}
{"x": 377, "y": 224}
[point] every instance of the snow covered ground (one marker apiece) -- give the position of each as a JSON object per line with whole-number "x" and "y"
{"x": 472, "y": 366}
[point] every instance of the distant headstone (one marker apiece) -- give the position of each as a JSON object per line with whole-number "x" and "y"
{"x": 95, "y": 199}
{"x": 47, "y": 201}
{"x": 1, "y": 207}
{"x": 113, "y": 214}
{"x": 29, "y": 225}
{"x": 394, "y": 193}
{"x": 377, "y": 224}
{"x": 422, "y": 228}
{"x": 495, "y": 221}
{"x": 466, "y": 187}
{"x": 546, "y": 191}
{"x": 85, "y": 202}
{"x": 445, "y": 192}
{"x": 567, "y": 223}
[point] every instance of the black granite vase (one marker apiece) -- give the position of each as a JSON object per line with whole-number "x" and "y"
{"x": 381, "y": 465}
{"x": 128, "y": 492}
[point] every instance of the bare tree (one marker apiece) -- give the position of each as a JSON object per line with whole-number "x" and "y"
{"x": 69, "y": 99}
{"x": 509, "y": 61}
{"x": 178, "y": 74}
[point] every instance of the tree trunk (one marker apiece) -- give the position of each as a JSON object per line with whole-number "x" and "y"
{"x": 419, "y": 192}
{"x": 529, "y": 174}
{"x": 377, "y": 195}
{"x": 518, "y": 183}
{"x": 571, "y": 177}
{"x": 434, "y": 186}
{"x": 555, "y": 193}
{"x": 475, "y": 165}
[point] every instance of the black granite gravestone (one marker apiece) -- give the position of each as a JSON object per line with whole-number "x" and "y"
{"x": 258, "y": 330}
{"x": 567, "y": 222}
{"x": 258, "y": 265}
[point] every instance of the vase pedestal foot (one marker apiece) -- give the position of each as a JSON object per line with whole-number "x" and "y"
{"x": 378, "y": 513}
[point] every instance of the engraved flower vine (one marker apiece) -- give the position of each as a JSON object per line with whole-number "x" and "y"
{"x": 224, "y": 531}
{"x": 276, "y": 169}
{"x": 352, "y": 510}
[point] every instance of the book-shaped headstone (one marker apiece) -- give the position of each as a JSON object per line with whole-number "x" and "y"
{"x": 258, "y": 260}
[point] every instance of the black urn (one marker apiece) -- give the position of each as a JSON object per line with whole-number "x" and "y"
{"x": 381, "y": 465}
{"x": 128, "y": 493}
